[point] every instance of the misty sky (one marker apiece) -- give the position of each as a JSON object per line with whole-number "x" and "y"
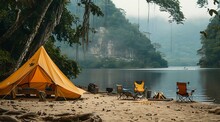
{"x": 139, "y": 11}
{"x": 151, "y": 19}
{"x": 162, "y": 32}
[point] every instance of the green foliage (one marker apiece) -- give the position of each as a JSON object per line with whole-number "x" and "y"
{"x": 173, "y": 8}
{"x": 131, "y": 47}
{"x": 15, "y": 43}
{"x": 65, "y": 31}
{"x": 210, "y": 50}
{"x": 67, "y": 66}
{"x": 6, "y": 62}
{"x": 28, "y": 10}
{"x": 202, "y": 3}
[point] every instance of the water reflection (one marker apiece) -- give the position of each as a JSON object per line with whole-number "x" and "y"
{"x": 110, "y": 77}
{"x": 210, "y": 82}
{"x": 205, "y": 81}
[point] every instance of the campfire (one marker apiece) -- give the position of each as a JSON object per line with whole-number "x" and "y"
{"x": 159, "y": 95}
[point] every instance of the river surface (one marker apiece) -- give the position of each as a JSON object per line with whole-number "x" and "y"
{"x": 206, "y": 81}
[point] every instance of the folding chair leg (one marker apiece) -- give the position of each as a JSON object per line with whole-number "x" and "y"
{"x": 120, "y": 95}
{"x": 191, "y": 98}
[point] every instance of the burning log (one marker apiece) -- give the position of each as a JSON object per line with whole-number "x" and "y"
{"x": 159, "y": 95}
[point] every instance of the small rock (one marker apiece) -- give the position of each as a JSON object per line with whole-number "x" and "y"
{"x": 73, "y": 110}
{"x": 178, "y": 110}
{"x": 173, "y": 119}
{"x": 44, "y": 113}
{"x": 12, "y": 102}
{"x": 51, "y": 105}
{"x": 39, "y": 113}
{"x": 217, "y": 112}
{"x": 108, "y": 110}
{"x": 148, "y": 114}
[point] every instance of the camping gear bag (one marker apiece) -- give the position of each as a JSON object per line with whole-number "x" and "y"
{"x": 93, "y": 88}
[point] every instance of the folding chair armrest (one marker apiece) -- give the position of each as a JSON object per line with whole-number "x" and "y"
{"x": 193, "y": 90}
{"x": 125, "y": 90}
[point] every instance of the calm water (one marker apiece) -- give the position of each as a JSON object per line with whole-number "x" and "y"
{"x": 205, "y": 81}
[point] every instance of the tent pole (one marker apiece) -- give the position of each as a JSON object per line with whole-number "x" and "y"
{"x": 61, "y": 94}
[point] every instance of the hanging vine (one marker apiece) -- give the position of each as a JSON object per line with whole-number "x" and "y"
{"x": 90, "y": 7}
{"x": 85, "y": 29}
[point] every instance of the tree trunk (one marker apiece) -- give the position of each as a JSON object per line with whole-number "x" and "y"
{"x": 48, "y": 28}
{"x": 33, "y": 34}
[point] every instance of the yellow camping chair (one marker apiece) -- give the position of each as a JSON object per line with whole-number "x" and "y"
{"x": 183, "y": 93}
{"x": 139, "y": 88}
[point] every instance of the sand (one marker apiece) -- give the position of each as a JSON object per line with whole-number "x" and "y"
{"x": 106, "y": 107}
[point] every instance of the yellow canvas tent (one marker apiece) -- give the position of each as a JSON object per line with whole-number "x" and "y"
{"x": 38, "y": 73}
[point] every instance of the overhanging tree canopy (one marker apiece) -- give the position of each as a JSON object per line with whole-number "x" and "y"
{"x": 28, "y": 24}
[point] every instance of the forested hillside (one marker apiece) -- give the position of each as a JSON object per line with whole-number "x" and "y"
{"x": 25, "y": 25}
{"x": 210, "y": 40}
{"x": 117, "y": 43}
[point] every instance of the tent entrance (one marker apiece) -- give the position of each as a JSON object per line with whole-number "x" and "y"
{"x": 37, "y": 80}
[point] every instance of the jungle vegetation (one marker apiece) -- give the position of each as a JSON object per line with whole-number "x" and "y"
{"x": 210, "y": 39}
{"x": 25, "y": 25}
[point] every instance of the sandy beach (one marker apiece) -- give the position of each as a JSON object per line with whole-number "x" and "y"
{"x": 106, "y": 107}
